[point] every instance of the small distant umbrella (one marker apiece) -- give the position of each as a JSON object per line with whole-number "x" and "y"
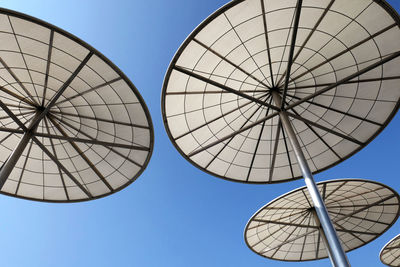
{"x": 390, "y": 254}
{"x": 287, "y": 228}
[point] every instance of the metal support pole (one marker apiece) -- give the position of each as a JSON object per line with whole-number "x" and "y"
{"x": 322, "y": 234}
{"x": 9, "y": 165}
{"x": 338, "y": 256}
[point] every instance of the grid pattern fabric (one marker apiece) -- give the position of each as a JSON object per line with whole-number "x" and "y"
{"x": 390, "y": 254}
{"x": 334, "y": 64}
{"x": 287, "y": 228}
{"x": 92, "y": 132}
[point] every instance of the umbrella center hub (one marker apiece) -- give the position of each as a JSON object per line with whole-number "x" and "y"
{"x": 40, "y": 108}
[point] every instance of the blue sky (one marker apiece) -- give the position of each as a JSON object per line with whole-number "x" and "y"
{"x": 174, "y": 214}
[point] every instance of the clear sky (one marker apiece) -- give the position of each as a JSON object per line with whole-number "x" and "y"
{"x": 174, "y": 214}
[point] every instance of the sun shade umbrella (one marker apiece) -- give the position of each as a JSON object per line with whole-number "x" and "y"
{"x": 390, "y": 253}
{"x": 267, "y": 91}
{"x": 341, "y": 92}
{"x": 287, "y": 228}
{"x": 73, "y": 127}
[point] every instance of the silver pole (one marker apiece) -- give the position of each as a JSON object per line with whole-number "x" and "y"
{"x": 322, "y": 234}
{"x": 338, "y": 256}
{"x": 9, "y": 165}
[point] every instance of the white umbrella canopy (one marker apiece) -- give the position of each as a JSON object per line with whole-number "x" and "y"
{"x": 336, "y": 70}
{"x": 73, "y": 127}
{"x": 287, "y": 228}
